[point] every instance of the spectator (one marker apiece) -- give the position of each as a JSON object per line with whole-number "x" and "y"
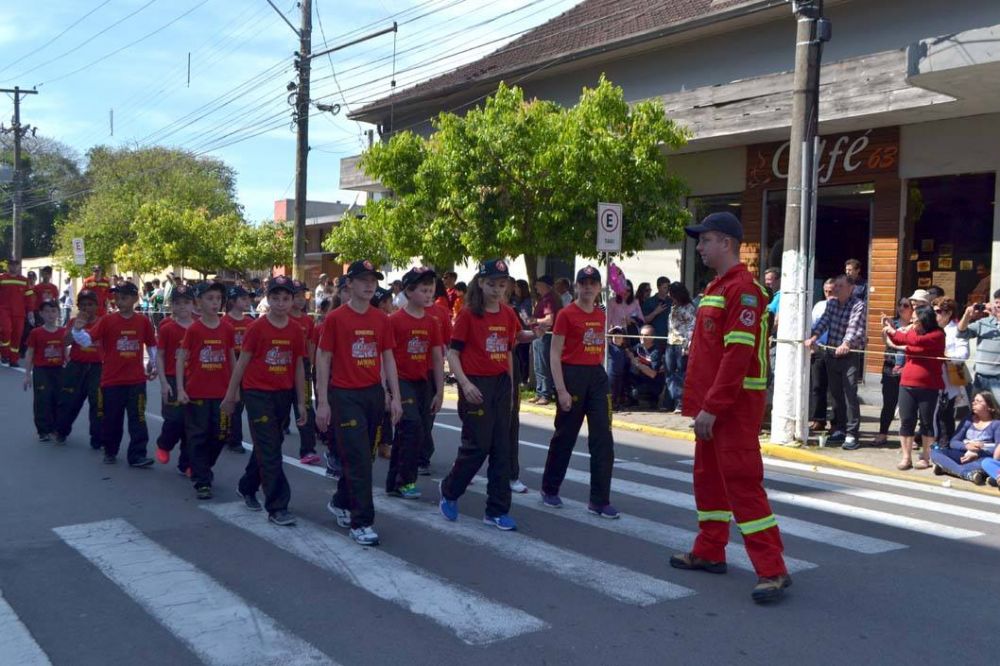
{"x": 450, "y": 278}
{"x": 66, "y": 300}
{"x": 852, "y": 269}
{"x": 892, "y": 370}
{"x": 935, "y": 292}
{"x": 920, "y": 381}
{"x": 625, "y": 311}
{"x": 618, "y": 362}
{"x": 979, "y": 323}
{"x": 564, "y": 291}
{"x": 819, "y": 384}
{"x": 398, "y": 295}
{"x": 646, "y": 371}
{"x": 519, "y": 298}
{"x": 643, "y": 292}
{"x": 955, "y": 380}
{"x": 459, "y": 302}
{"x": 972, "y": 449}
{"x": 542, "y": 319}
{"x": 920, "y": 297}
{"x": 844, "y": 321}
{"x": 681, "y": 327}
{"x": 656, "y": 311}
{"x": 772, "y": 280}
{"x": 981, "y": 292}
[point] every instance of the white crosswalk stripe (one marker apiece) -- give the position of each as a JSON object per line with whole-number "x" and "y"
{"x": 17, "y": 646}
{"x": 473, "y": 618}
{"x": 792, "y": 526}
{"x": 828, "y": 506}
{"x": 216, "y": 624}
{"x": 668, "y": 536}
{"x": 625, "y": 585}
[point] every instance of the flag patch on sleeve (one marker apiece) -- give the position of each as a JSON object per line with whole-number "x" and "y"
{"x": 748, "y": 300}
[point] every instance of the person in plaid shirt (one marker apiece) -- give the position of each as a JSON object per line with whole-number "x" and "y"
{"x": 844, "y": 323}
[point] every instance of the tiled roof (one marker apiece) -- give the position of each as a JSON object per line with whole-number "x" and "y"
{"x": 586, "y": 26}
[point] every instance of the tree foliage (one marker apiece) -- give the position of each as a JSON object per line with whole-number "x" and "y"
{"x": 517, "y": 177}
{"x": 260, "y": 247}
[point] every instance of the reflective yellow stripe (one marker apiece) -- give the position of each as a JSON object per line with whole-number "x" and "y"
{"x": 755, "y": 384}
{"x": 759, "y": 525}
{"x": 713, "y": 302}
{"x": 21, "y": 282}
{"x": 739, "y": 338}
{"x": 719, "y": 516}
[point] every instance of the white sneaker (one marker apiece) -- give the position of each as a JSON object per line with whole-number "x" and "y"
{"x": 343, "y": 515}
{"x": 365, "y": 536}
{"x": 517, "y": 487}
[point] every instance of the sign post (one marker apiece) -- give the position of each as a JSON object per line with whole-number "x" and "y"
{"x": 79, "y": 256}
{"x": 609, "y": 241}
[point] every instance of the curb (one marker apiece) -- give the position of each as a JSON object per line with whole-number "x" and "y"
{"x": 620, "y": 424}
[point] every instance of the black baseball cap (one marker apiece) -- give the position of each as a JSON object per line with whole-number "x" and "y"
{"x": 415, "y": 275}
{"x": 207, "y": 286}
{"x": 494, "y": 268}
{"x": 363, "y": 267}
{"x": 236, "y": 291}
{"x": 724, "y": 223}
{"x": 588, "y": 273}
{"x": 125, "y": 288}
{"x": 86, "y": 295}
{"x": 298, "y": 287}
{"x": 546, "y": 279}
{"x": 380, "y": 295}
{"x": 341, "y": 282}
{"x": 182, "y": 291}
{"x": 280, "y": 283}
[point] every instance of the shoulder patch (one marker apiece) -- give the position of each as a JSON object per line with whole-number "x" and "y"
{"x": 748, "y": 300}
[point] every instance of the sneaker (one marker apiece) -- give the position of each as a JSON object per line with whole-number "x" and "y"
{"x": 333, "y": 468}
{"x": 343, "y": 516}
{"x": 449, "y": 508}
{"x": 978, "y": 477}
{"x": 690, "y": 562}
{"x": 141, "y": 462}
{"x": 110, "y": 460}
{"x": 59, "y": 439}
{"x": 991, "y": 482}
{"x": 424, "y": 470}
{"x": 551, "y": 501}
{"x": 939, "y": 471}
{"x": 249, "y": 500}
{"x": 838, "y": 437}
{"x": 502, "y": 522}
{"x": 606, "y": 511}
{"x": 517, "y": 487}
{"x": 281, "y": 517}
{"x": 46, "y": 437}
{"x": 851, "y": 443}
{"x": 236, "y": 448}
{"x": 311, "y": 459}
{"x": 768, "y": 590}
{"x": 204, "y": 492}
{"x": 365, "y": 536}
{"x": 184, "y": 471}
{"x": 162, "y": 456}
{"x": 409, "y": 491}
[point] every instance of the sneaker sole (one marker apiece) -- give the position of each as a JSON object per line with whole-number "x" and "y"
{"x": 367, "y": 543}
{"x": 244, "y": 498}
{"x": 141, "y": 465}
{"x": 712, "y": 568}
{"x": 333, "y": 512}
{"x": 282, "y": 523}
{"x": 552, "y": 506}
{"x": 604, "y": 515}
{"x": 487, "y": 521}
{"x": 770, "y": 595}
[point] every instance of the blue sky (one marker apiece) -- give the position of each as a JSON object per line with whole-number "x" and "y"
{"x": 235, "y": 108}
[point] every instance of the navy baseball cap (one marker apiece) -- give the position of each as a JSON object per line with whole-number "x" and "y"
{"x": 207, "y": 286}
{"x": 380, "y": 295}
{"x": 363, "y": 267}
{"x": 125, "y": 288}
{"x": 415, "y": 275}
{"x": 546, "y": 279}
{"x": 298, "y": 287}
{"x": 86, "y": 295}
{"x": 280, "y": 283}
{"x": 182, "y": 291}
{"x": 494, "y": 268}
{"x": 236, "y": 291}
{"x": 341, "y": 282}
{"x": 588, "y": 273}
{"x": 724, "y": 223}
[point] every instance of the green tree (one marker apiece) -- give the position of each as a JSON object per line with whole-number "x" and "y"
{"x": 260, "y": 247}
{"x": 517, "y": 177}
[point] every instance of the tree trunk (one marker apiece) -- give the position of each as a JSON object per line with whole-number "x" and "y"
{"x": 531, "y": 264}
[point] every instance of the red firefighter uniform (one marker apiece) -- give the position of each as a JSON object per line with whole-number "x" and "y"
{"x": 727, "y": 377}
{"x": 101, "y": 287}
{"x": 17, "y": 299}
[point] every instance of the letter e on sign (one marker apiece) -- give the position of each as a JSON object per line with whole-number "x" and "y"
{"x": 79, "y": 256}
{"x": 609, "y": 227}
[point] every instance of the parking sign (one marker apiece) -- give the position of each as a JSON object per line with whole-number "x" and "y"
{"x": 609, "y": 227}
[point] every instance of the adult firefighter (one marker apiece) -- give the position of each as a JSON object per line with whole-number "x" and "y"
{"x": 725, "y": 391}
{"x": 17, "y": 301}
{"x": 101, "y": 286}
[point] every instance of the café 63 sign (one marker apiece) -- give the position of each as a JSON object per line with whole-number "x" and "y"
{"x": 843, "y": 158}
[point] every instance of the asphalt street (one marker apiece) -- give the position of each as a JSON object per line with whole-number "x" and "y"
{"x": 110, "y": 565}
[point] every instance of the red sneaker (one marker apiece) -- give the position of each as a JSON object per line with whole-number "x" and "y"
{"x": 310, "y": 459}
{"x": 162, "y": 456}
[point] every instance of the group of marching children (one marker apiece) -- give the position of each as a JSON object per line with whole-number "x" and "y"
{"x": 379, "y": 377}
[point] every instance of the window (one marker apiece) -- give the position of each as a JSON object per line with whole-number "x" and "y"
{"x": 696, "y": 274}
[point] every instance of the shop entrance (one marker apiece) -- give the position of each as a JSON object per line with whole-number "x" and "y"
{"x": 843, "y": 230}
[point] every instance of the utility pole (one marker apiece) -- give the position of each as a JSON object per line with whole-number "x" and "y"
{"x": 789, "y": 413}
{"x": 19, "y": 131}
{"x": 302, "y": 141}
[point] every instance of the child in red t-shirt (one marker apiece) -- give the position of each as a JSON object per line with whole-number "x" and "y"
{"x": 270, "y": 364}
{"x": 355, "y": 355}
{"x": 238, "y": 303}
{"x": 307, "y": 433}
{"x": 171, "y": 334}
{"x": 122, "y": 337}
{"x": 382, "y": 300}
{"x": 43, "y": 368}
{"x": 205, "y": 362}
{"x": 81, "y": 379}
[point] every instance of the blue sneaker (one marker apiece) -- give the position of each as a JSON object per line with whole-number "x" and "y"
{"x": 551, "y": 501}
{"x": 449, "y": 508}
{"x": 504, "y": 522}
{"x": 606, "y": 511}
{"x": 409, "y": 491}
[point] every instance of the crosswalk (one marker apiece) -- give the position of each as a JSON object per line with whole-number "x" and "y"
{"x": 219, "y": 625}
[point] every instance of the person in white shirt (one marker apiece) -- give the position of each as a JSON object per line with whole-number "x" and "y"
{"x": 956, "y": 377}
{"x": 819, "y": 387}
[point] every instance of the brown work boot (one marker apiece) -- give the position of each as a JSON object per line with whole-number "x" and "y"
{"x": 691, "y": 562}
{"x": 768, "y": 590}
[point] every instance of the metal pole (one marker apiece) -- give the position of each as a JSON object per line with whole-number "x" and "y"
{"x": 302, "y": 141}
{"x": 17, "y": 236}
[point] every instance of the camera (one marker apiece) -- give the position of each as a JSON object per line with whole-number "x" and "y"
{"x": 979, "y": 307}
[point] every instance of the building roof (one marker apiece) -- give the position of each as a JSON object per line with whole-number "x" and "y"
{"x": 590, "y": 26}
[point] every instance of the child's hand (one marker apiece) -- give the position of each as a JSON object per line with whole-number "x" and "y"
{"x": 27, "y": 381}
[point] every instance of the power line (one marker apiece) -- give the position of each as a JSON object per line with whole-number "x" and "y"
{"x": 333, "y": 71}
{"x": 54, "y": 39}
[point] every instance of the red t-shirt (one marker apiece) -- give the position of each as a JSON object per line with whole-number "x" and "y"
{"x": 45, "y": 291}
{"x": 274, "y": 353}
{"x": 583, "y": 333}
{"x": 50, "y": 348}
{"x": 207, "y": 368}
{"x": 239, "y": 327}
{"x": 121, "y": 341}
{"x": 356, "y": 342}
{"x": 443, "y": 318}
{"x": 415, "y": 338}
{"x": 171, "y": 335}
{"x": 306, "y": 323}
{"x": 486, "y": 341}
{"x": 102, "y": 288}
{"x": 79, "y": 353}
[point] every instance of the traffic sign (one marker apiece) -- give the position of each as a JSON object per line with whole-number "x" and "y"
{"x": 609, "y": 227}
{"x": 79, "y": 257}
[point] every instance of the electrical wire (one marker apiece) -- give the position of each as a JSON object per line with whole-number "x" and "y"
{"x": 54, "y": 39}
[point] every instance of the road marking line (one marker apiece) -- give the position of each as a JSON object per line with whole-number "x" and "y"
{"x": 793, "y": 526}
{"x": 216, "y": 624}
{"x": 17, "y": 645}
{"x": 475, "y": 619}
{"x": 522, "y": 442}
{"x": 617, "y": 582}
{"x": 668, "y": 536}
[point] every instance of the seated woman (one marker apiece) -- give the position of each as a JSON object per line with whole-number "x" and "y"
{"x": 974, "y": 444}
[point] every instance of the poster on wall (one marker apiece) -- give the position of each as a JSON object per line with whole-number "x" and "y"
{"x": 945, "y": 280}
{"x": 965, "y": 265}
{"x": 946, "y": 250}
{"x": 923, "y": 283}
{"x": 923, "y": 267}
{"x": 944, "y": 263}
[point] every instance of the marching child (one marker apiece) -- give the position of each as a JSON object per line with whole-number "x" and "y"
{"x": 307, "y": 433}
{"x": 172, "y": 332}
{"x": 81, "y": 380}
{"x": 357, "y": 342}
{"x": 270, "y": 365}
{"x": 205, "y": 362}
{"x": 382, "y": 300}
{"x": 122, "y": 336}
{"x": 43, "y": 368}
{"x": 582, "y": 389}
{"x": 237, "y": 305}
{"x": 442, "y": 315}
{"x": 481, "y": 358}
{"x": 419, "y": 354}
